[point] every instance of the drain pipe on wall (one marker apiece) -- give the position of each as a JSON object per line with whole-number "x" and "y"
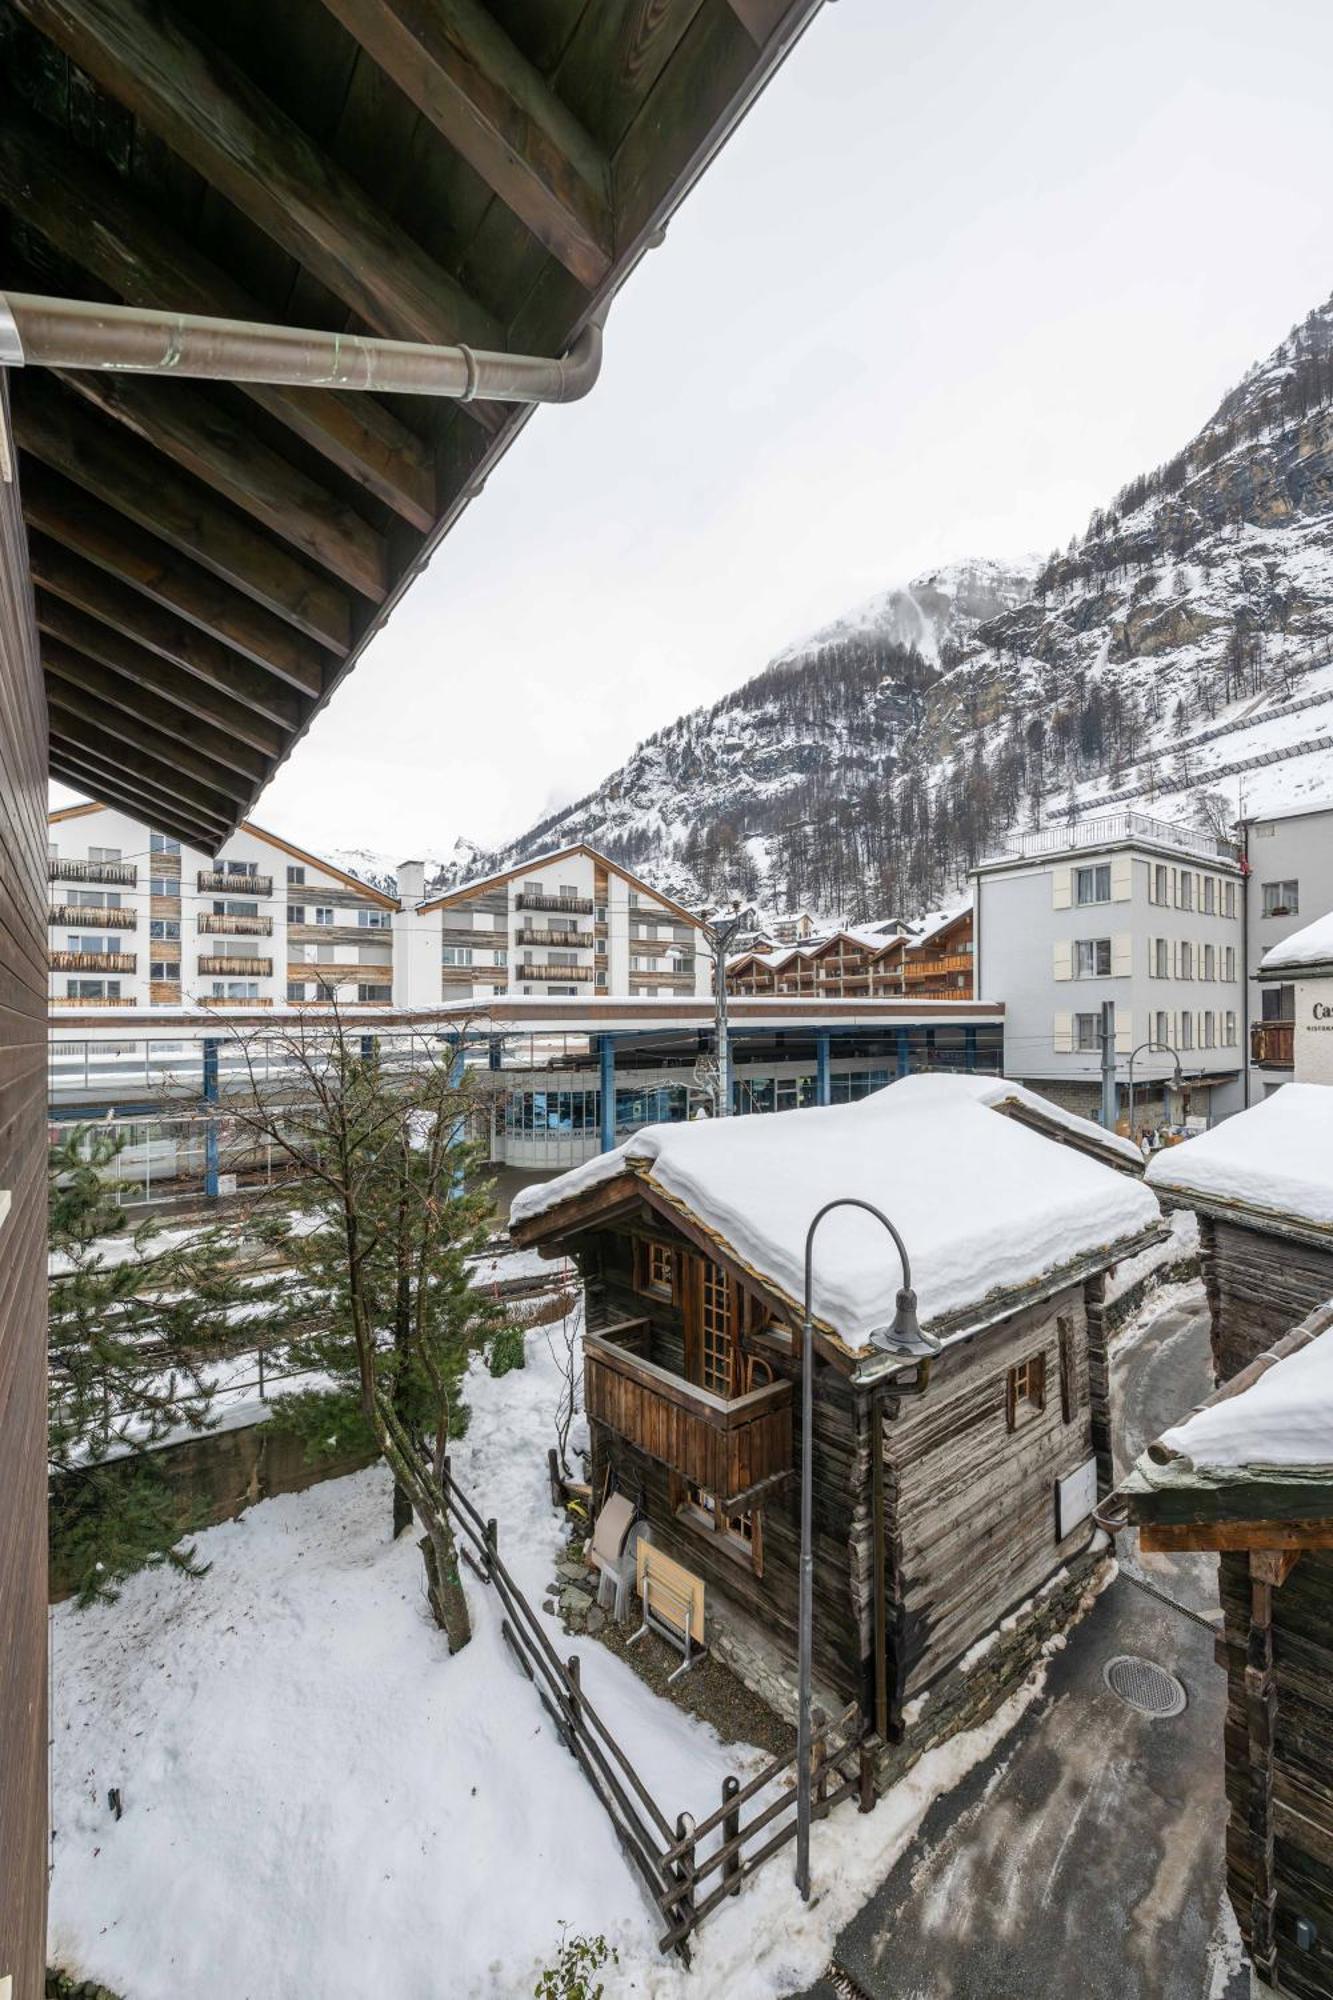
{"x": 137, "y": 340}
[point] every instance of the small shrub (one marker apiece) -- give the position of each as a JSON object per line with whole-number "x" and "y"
{"x": 506, "y": 1351}
{"x": 573, "y": 1976}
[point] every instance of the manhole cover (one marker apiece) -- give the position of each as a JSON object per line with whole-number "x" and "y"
{"x": 1144, "y": 1686}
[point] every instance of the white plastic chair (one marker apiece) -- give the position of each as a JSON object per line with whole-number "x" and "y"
{"x": 615, "y": 1539}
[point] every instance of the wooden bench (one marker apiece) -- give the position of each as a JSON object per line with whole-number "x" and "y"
{"x": 673, "y": 1604}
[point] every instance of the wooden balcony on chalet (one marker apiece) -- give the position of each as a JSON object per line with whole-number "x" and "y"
{"x": 226, "y": 926}
{"x": 566, "y": 974}
{"x": 237, "y": 968}
{"x": 1272, "y": 1044}
{"x": 575, "y": 940}
{"x": 214, "y": 882}
{"x": 915, "y": 970}
{"x": 97, "y": 916}
{"x": 729, "y": 1445}
{"x": 116, "y": 874}
{"x": 93, "y": 1000}
{"x": 92, "y": 961}
{"x": 536, "y": 899}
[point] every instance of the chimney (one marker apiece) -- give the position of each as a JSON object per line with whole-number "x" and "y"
{"x": 411, "y": 881}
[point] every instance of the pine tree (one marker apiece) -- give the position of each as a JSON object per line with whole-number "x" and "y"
{"x": 136, "y": 1320}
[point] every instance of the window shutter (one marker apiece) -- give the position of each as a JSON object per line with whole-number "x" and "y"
{"x": 1067, "y": 1385}
{"x": 1064, "y": 959}
{"x": 1175, "y": 958}
{"x": 1063, "y": 1036}
{"x": 1122, "y": 877}
{"x": 1010, "y": 1399}
{"x": 1124, "y": 1031}
{"x": 1062, "y": 888}
{"x": 1122, "y": 955}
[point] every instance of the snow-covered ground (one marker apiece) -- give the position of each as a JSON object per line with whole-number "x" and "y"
{"x": 318, "y": 1800}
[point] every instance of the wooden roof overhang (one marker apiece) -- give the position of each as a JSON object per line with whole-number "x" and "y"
{"x": 616, "y": 1199}
{"x": 1179, "y": 1506}
{"x": 1249, "y": 1215}
{"x": 209, "y": 560}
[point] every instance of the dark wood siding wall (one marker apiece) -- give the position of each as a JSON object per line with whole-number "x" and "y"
{"x": 22, "y": 1268}
{"x": 1260, "y": 1285}
{"x": 1285, "y": 1792}
{"x": 970, "y": 1504}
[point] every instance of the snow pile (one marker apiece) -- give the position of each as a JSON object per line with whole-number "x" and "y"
{"x": 318, "y": 1800}
{"x": 1284, "y": 1419}
{"x": 1313, "y": 945}
{"x": 1276, "y": 1158}
{"x": 982, "y": 1202}
{"x": 1181, "y": 1244}
{"x": 1003, "y": 1094}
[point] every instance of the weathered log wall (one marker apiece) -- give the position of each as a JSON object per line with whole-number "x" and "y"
{"x": 972, "y": 1514}
{"x": 1283, "y": 1794}
{"x": 1259, "y": 1286}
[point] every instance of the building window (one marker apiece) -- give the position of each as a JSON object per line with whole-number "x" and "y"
{"x": 1209, "y": 896}
{"x": 1092, "y": 958}
{"x": 1228, "y": 899}
{"x": 372, "y": 992}
{"x": 1161, "y": 1030}
{"x": 165, "y": 885}
{"x": 1025, "y": 1390}
{"x": 164, "y": 927}
{"x": 296, "y": 989}
{"x": 1209, "y": 962}
{"x": 1185, "y": 896}
{"x": 1208, "y": 1022}
{"x": 654, "y": 1268}
{"x": 296, "y": 913}
{"x": 104, "y": 854}
{"x": 1159, "y": 883}
{"x": 738, "y": 1534}
{"x": 1229, "y": 1031}
{"x": 1087, "y": 1031}
{"x": 1161, "y": 959}
{"x": 1229, "y": 962}
{"x": 601, "y": 913}
{"x": 1093, "y": 885}
{"x": 373, "y": 920}
{"x": 295, "y": 874}
{"x": 324, "y": 915}
{"x": 92, "y": 989}
{"x": 1187, "y": 1031}
{"x": 240, "y": 867}
{"x": 456, "y": 954}
{"x": 1278, "y": 1003}
{"x": 162, "y": 843}
{"x": 165, "y": 969}
{"x": 1186, "y": 960}
{"x": 1282, "y": 899}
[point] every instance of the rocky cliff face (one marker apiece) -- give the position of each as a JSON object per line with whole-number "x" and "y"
{"x": 1174, "y": 650}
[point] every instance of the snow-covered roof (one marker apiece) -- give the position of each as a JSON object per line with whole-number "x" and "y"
{"x": 1299, "y": 810}
{"x": 1274, "y": 1159}
{"x": 939, "y": 920}
{"x": 986, "y": 1205}
{"x": 1310, "y": 946}
{"x": 1001, "y": 1093}
{"x": 1284, "y": 1419}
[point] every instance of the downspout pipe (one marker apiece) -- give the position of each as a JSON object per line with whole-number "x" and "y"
{"x": 137, "y": 340}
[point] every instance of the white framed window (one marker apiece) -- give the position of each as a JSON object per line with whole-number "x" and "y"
{"x": 1186, "y": 959}
{"x": 1087, "y": 1031}
{"x": 105, "y": 854}
{"x": 456, "y": 954}
{"x": 325, "y": 915}
{"x": 1228, "y": 899}
{"x": 1209, "y": 1025}
{"x": 1093, "y": 884}
{"x": 1229, "y": 1030}
{"x": 295, "y": 873}
{"x": 1185, "y": 889}
{"x": 1210, "y": 961}
{"x": 164, "y": 927}
{"x": 373, "y": 920}
{"x": 1282, "y": 899}
{"x": 164, "y": 885}
{"x": 1161, "y": 1029}
{"x": 1209, "y": 895}
{"x": 162, "y": 843}
{"x": 1187, "y": 1030}
{"x": 1092, "y": 958}
{"x": 1159, "y": 963}
{"x": 1229, "y": 961}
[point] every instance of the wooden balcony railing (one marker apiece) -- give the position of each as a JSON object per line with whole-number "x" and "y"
{"x": 566, "y": 974}
{"x": 223, "y": 1000}
{"x": 92, "y": 1000}
{"x": 729, "y": 1446}
{"x": 1272, "y": 1044}
{"x": 226, "y": 926}
{"x": 92, "y": 961}
{"x": 238, "y": 968}
{"x": 215, "y": 882}
{"x": 119, "y": 874}
{"x": 578, "y": 940}
{"x": 534, "y": 899}
{"x": 97, "y": 916}
{"x": 930, "y": 968}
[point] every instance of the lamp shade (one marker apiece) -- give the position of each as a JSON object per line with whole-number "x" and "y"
{"x": 903, "y": 1337}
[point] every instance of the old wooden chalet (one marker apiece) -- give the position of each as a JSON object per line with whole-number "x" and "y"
{"x": 1250, "y": 1476}
{"x": 935, "y": 1515}
{"x": 1261, "y": 1184}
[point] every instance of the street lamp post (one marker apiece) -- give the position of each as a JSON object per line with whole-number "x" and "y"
{"x": 718, "y": 933}
{"x": 1166, "y": 1049}
{"x": 904, "y": 1339}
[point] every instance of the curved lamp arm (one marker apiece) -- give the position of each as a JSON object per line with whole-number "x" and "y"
{"x": 906, "y": 1295}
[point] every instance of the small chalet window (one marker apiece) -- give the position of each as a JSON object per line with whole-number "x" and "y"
{"x": 739, "y": 1534}
{"x": 655, "y": 1269}
{"x": 1025, "y": 1390}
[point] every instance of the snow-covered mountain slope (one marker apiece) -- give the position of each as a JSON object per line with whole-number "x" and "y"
{"x": 1174, "y": 657}
{"x": 464, "y": 859}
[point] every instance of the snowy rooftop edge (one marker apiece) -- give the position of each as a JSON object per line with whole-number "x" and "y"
{"x": 985, "y": 1204}
{"x": 1275, "y": 1158}
{"x": 1312, "y": 945}
{"x": 1282, "y": 1422}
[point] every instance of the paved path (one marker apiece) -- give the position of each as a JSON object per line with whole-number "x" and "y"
{"x": 1084, "y": 1858}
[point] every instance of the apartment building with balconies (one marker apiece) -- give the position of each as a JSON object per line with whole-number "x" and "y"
{"x": 136, "y": 919}
{"x": 1140, "y": 912}
{"x": 1289, "y": 856}
{"x": 567, "y": 924}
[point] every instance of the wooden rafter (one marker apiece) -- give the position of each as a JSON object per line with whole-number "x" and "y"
{"x": 131, "y": 620}
{"x": 145, "y": 489}
{"x": 113, "y": 691}
{"x": 114, "y": 725}
{"x": 195, "y": 432}
{"x": 212, "y": 116}
{"x": 95, "y": 221}
{"x": 464, "y": 74}
{"x": 100, "y": 768}
{"x": 104, "y": 537}
{"x": 123, "y": 791}
{"x": 146, "y": 676}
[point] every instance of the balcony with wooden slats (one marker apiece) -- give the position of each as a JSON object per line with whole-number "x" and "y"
{"x": 536, "y": 899}
{"x": 113, "y": 874}
{"x": 1272, "y": 1044}
{"x": 728, "y": 1445}
{"x": 97, "y": 916}
{"x": 92, "y": 961}
{"x": 237, "y": 968}
{"x": 915, "y": 970}
{"x": 566, "y": 974}
{"x": 227, "y": 926}
{"x": 557, "y": 940}
{"x": 213, "y": 882}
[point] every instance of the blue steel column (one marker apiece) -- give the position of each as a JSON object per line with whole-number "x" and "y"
{"x": 904, "y": 1052}
{"x": 368, "y": 1047}
{"x": 210, "y": 1053}
{"x": 970, "y": 1047}
{"x": 822, "y": 1095}
{"x": 607, "y": 1051}
{"x": 457, "y": 1133}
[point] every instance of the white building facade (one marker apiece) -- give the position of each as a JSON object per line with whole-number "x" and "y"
{"x": 1289, "y": 854}
{"x": 1130, "y": 910}
{"x": 567, "y": 924}
{"x": 136, "y": 920}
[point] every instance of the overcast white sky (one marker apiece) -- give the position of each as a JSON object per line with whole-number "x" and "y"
{"x": 964, "y": 269}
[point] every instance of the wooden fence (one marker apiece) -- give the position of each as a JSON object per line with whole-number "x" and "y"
{"x": 676, "y": 1858}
